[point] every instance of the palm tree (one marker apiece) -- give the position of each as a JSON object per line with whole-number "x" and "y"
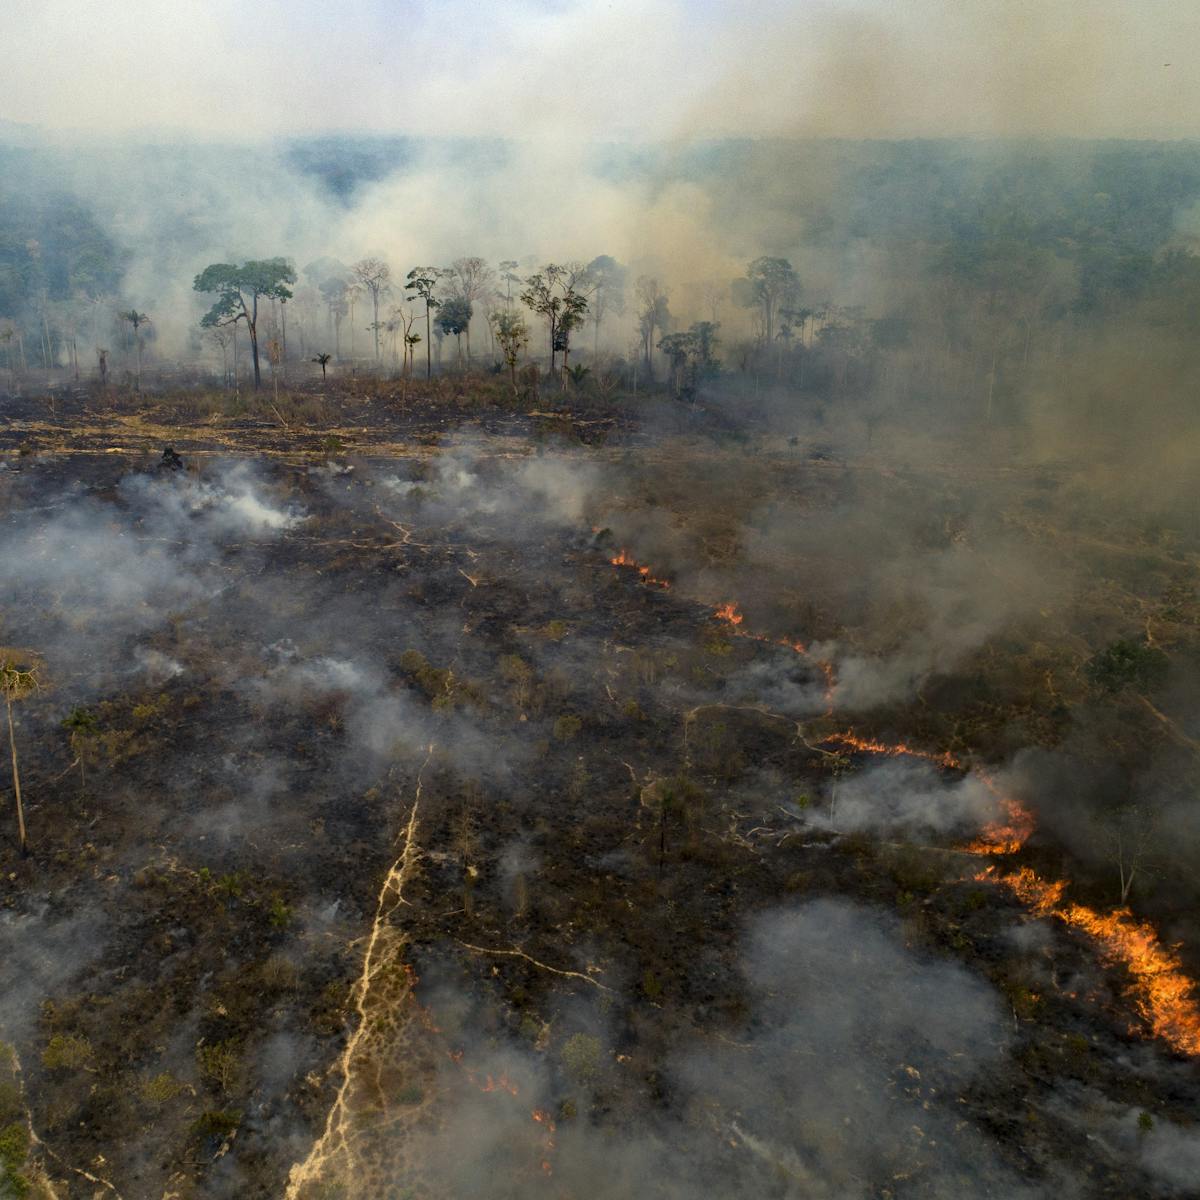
{"x": 81, "y": 725}
{"x": 18, "y": 679}
{"x": 323, "y": 359}
{"x": 137, "y": 320}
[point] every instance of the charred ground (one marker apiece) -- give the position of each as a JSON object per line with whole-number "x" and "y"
{"x": 609, "y": 943}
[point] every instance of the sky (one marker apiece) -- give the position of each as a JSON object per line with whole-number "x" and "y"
{"x": 628, "y": 69}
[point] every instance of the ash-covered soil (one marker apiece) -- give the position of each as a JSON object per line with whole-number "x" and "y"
{"x": 409, "y": 846}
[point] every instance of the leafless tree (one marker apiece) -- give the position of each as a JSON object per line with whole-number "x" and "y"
{"x": 373, "y": 275}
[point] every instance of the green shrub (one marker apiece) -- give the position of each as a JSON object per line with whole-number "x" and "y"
{"x": 67, "y": 1051}
{"x": 566, "y": 727}
{"x": 413, "y": 661}
{"x": 581, "y": 1057}
{"x": 160, "y": 1089}
{"x": 1127, "y": 663}
{"x": 219, "y": 1063}
{"x": 280, "y": 913}
{"x": 233, "y": 886}
{"x": 14, "y": 1150}
{"x": 217, "y": 1122}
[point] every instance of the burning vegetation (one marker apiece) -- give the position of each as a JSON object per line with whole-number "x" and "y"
{"x": 542, "y": 666}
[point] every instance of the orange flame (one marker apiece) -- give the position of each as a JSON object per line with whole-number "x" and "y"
{"x": 1000, "y": 837}
{"x": 892, "y": 749}
{"x": 1163, "y": 995}
{"x": 729, "y": 612}
{"x": 543, "y": 1118}
{"x": 625, "y": 559}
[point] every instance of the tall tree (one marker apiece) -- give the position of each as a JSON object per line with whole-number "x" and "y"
{"x": 771, "y": 284}
{"x": 555, "y": 292}
{"x": 373, "y": 275}
{"x": 508, "y": 277}
{"x": 400, "y": 323}
{"x": 574, "y": 307}
{"x": 542, "y": 296}
{"x": 137, "y": 320}
{"x": 18, "y": 679}
{"x": 422, "y": 285}
{"x": 454, "y": 317}
{"x": 513, "y": 335}
{"x": 653, "y": 315}
{"x": 472, "y": 279}
{"x": 81, "y": 725}
{"x": 8, "y": 333}
{"x": 354, "y": 291}
{"x": 221, "y": 338}
{"x": 334, "y": 293}
{"x": 606, "y": 290}
{"x": 239, "y": 290}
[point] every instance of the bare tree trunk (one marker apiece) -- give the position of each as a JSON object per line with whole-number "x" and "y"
{"x": 252, "y": 325}
{"x": 12, "y": 743}
{"x": 1126, "y": 881}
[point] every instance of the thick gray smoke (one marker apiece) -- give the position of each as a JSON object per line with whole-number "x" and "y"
{"x": 100, "y": 575}
{"x": 853, "y": 1072}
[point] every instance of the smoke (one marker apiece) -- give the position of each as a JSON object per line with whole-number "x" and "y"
{"x": 907, "y": 799}
{"x": 825, "y": 1091}
{"x": 589, "y": 69}
{"x": 95, "y": 575}
{"x": 43, "y": 950}
{"x": 507, "y": 500}
{"x": 836, "y": 1090}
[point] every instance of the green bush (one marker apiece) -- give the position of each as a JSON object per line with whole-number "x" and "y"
{"x": 280, "y": 913}
{"x": 1126, "y": 663}
{"x": 159, "y": 1089}
{"x": 14, "y": 1150}
{"x": 219, "y": 1062}
{"x": 566, "y": 727}
{"x": 217, "y": 1122}
{"x": 581, "y": 1057}
{"x": 66, "y": 1050}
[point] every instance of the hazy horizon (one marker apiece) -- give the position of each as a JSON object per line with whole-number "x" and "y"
{"x": 662, "y": 70}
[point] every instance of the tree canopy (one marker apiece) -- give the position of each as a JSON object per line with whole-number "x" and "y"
{"x": 238, "y": 291}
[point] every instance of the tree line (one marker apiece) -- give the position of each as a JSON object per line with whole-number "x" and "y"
{"x": 445, "y": 301}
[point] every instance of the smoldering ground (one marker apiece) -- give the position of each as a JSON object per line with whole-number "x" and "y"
{"x": 826, "y": 1091}
{"x": 304, "y": 624}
